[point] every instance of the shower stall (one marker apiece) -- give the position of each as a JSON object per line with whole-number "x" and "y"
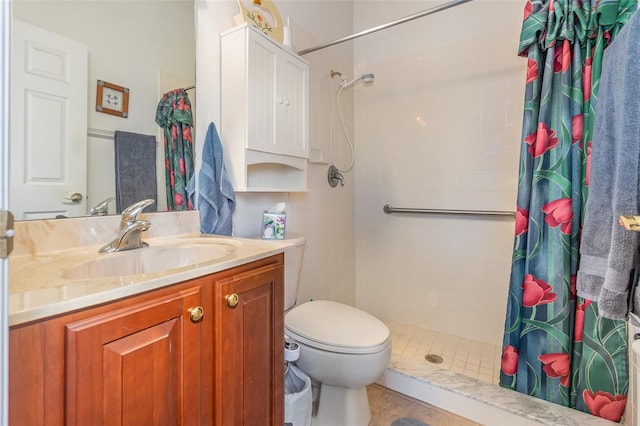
{"x": 440, "y": 130}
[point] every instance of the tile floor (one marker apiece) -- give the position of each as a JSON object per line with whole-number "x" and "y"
{"x": 388, "y": 406}
{"x": 464, "y": 383}
{"x": 472, "y": 358}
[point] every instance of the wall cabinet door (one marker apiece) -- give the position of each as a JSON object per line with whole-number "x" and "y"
{"x": 138, "y": 365}
{"x": 277, "y": 98}
{"x": 249, "y": 342}
{"x": 265, "y": 108}
{"x": 292, "y": 104}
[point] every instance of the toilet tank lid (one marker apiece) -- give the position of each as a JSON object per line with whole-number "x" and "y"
{"x": 336, "y": 324}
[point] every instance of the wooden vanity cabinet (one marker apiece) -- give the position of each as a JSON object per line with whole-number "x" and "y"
{"x": 249, "y": 342}
{"x": 151, "y": 360}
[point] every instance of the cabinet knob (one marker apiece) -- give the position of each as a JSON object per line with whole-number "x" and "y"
{"x": 232, "y": 300}
{"x": 196, "y": 313}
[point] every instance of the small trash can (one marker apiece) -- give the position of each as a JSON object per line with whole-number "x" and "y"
{"x": 297, "y": 397}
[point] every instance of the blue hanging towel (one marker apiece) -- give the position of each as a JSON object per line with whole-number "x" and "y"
{"x": 216, "y": 199}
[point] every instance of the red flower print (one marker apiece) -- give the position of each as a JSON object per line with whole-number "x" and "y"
{"x": 587, "y": 177}
{"x": 174, "y": 132}
{"x": 572, "y": 287}
{"x": 605, "y": 405}
{"x": 579, "y": 321}
{"x": 522, "y": 221}
{"x": 541, "y": 141}
{"x": 532, "y": 70}
{"x": 167, "y": 165}
{"x": 559, "y": 212}
{"x": 528, "y": 8}
{"x": 551, "y": 6}
{"x": 536, "y": 292}
{"x": 509, "y": 364}
{"x": 183, "y": 105}
{"x": 561, "y": 57}
{"x": 577, "y": 127}
{"x": 557, "y": 365}
{"x": 178, "y": 199}
{"x": 182, "y": 168}
{"x": 586, "y": 79}
{"x": 172, "y": 179}
{"x": 186, "y": 134}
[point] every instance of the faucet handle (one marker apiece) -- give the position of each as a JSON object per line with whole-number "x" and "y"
{"x": 130, "y": 214}
{"x": 102, "y": 208}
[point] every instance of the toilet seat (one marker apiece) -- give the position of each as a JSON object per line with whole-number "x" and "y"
{"x": 336, "y": 327}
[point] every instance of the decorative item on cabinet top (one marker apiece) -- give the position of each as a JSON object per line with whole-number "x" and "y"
{"x": 264, "y": 126}
{"x": 263, "y": 15}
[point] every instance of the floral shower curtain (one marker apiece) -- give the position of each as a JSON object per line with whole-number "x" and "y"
{"x": 556, "y": 346}
{"x": 174, "y": 116}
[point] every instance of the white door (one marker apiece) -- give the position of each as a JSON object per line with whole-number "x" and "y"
{"x": 4, "y": 187}
{"x": 48, "y": 134}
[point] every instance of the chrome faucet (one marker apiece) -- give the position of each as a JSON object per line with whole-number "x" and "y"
{"x": 131, "y": 229}
{"x": 102, "y": 208}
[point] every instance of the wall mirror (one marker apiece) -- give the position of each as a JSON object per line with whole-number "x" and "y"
{"x": 62, "y": 163}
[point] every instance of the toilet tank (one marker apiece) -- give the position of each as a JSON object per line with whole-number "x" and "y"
{"x": 292, "y": 268}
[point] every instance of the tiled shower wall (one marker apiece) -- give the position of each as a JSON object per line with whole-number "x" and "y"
{"x": 439, "y": 129}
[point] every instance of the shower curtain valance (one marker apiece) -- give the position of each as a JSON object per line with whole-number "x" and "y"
{"x": 580, "y": 21}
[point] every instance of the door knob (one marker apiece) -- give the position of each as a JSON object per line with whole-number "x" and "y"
{"x": 196, "y": 313}
{"x": 232, "y": 300}
{"x": 76, "y": 197}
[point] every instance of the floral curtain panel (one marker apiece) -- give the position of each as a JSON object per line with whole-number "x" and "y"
{"x": 174, "y": 116}
{"x": 556, "y": 346}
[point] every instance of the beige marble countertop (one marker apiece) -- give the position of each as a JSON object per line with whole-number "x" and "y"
{"x": 41, "y": 286}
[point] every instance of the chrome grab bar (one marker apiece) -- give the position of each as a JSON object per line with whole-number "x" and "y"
{"x": 388, "y": 208}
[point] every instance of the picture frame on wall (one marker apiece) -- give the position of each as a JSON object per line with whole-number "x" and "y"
{"x": 112, "y": 99}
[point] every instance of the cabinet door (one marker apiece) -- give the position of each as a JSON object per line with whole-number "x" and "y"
{"x": 292, "y": 118}
{"x": 249, "y": 342}
{"x": 262, "y": 96}
{"x": 138, "y": 365}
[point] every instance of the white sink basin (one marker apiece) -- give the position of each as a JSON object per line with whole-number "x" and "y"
{"x": 148, "y": 260}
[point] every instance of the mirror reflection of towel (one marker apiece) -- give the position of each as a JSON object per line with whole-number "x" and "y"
{"x": 216, "y": 199}
{"x": 135, "y": 169}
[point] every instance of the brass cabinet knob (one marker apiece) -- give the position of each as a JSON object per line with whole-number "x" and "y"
{"x": 196, "y": 313}
{"x": 232, "y": 300}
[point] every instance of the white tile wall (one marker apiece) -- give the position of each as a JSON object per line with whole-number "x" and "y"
{"x": 439, "y": 129}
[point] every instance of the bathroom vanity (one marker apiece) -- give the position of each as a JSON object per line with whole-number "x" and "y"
{"x": 199, "y": 344}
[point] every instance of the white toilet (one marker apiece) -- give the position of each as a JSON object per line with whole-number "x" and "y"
{"x": 342, "y": 348}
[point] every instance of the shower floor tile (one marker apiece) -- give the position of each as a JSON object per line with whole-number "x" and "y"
{"x": 473, "y": 358}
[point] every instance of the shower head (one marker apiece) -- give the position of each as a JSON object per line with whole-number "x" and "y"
{"x": 367, "y": 78}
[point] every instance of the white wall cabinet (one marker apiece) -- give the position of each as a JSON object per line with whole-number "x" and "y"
{"x": 265, "y": 103}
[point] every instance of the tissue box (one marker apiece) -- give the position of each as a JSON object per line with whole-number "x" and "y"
{"x": 273, "y": 226}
